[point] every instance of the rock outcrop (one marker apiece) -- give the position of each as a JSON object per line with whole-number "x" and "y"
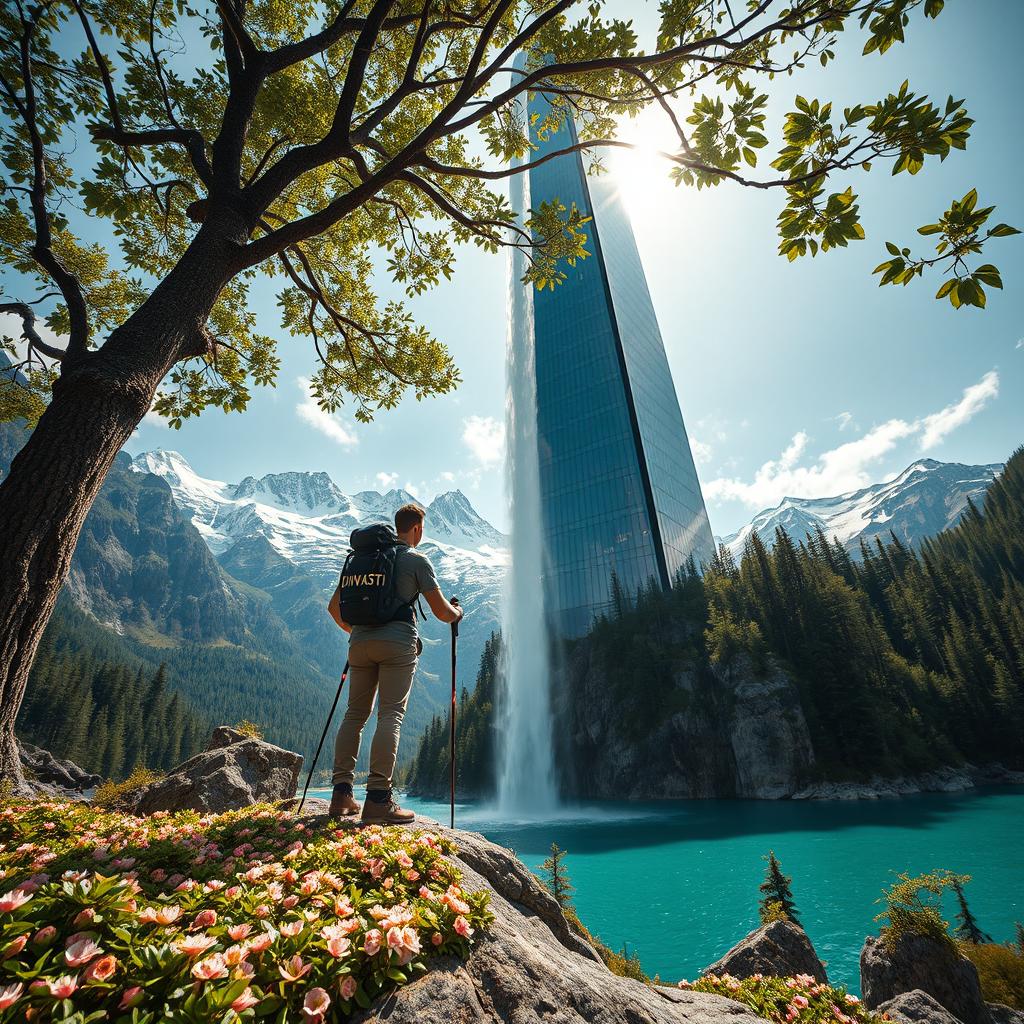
{"x": 529, "y": 967}
{"x": 916, "y": 1007}
{"x": 781, "y": 948}
{"x": 47, "y": 775}
{"x": 234, "y": 771}
{"x": 934, "y": 966}
{"x": 1002, "y": 1014}
{"x": 718, "y": 732}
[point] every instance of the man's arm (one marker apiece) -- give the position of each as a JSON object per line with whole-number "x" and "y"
{"x": 441, "y": 607}
{"x": 334, "y": 607}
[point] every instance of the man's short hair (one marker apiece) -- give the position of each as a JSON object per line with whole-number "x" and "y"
{"x": 407, "y": 517}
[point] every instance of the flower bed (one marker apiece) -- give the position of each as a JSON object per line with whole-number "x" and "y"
{"x": 104, "y": 916}
{"x": 786, "y": 1000}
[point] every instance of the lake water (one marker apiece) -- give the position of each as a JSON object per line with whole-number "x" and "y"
{"x": 678, "y": 882}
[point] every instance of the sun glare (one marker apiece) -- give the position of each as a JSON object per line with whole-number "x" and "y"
{"x": 642, "y": 173}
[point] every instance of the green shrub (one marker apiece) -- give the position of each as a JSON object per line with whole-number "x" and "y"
{"x": 624, "y": 964}
{"x": 913, "y": 906}
{"x": 1001, "y": 971}
{"x": 250, "y": 729}
{"x": 114, "y": 796}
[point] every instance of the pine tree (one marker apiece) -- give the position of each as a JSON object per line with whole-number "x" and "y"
{"x": 556, "y": 877}
{"x": 967, "y": 930}
{"x": 778, "y": 897}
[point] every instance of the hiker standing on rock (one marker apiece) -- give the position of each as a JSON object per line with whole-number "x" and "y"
{"x": 374, "y": 604}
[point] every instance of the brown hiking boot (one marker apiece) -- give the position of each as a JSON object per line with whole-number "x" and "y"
{"x": 343, "y": 803}
{"x": 385, "y": 812}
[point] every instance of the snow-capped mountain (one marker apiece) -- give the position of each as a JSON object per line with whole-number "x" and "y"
{"x": 288, "y": 533}
{"x": 926, "y": 498}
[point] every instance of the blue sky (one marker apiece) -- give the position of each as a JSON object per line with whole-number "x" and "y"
{"x": 801, "y": 378}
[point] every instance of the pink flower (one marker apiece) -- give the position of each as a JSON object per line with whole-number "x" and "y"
{"x": 437, "y": 938}
{"x": 210, "y": 968}
{"x": 44, "y": 936}
{"x": 85, "y": 917}
{"x": 291, "y": 928}
{"x": 314, "y": 1006}
{"x": 294, "y": 968}
{"x": 405, "y": 942}
{"x": 15, "y": 947}
{"x": 800, "y": 1001}
{"x": 193, "y": 945}
{"x": 289, "y": 902}
{"x": 168, "y": 915}
{"x": 245, "y": 1001}
{"x": 425, "y": 893}
{"x": 347, "y": 988}
{"x": 81, "y": 952}
{"x": 12, "y": 900}
{"x": 157, "y": 874}
{"x": 371, "y": 944}
{"x": 205, "y": 919}
{"x": 462, "y": 927}
{"x": 234, "y": 955}
{"x": 852, "y": 999}
{"x": 63, "y": 988}
{"x": 404, "y": 860}
{"x": 262, "y": 911}
{"x": 237, "y": 932}
{"x": 261, "y": 942}
{"x": 10, "y": 994}
{"x": 343, "y": 908}
{"x": 412, "y": 875}
{"x": 102, "y": 969}
{"x": 338, "y": 947}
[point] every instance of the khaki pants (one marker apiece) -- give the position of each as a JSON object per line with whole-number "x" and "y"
{"x": 374, "y": 665}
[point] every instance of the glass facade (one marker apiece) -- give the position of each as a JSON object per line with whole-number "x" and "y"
{"x": 619, "y": 494}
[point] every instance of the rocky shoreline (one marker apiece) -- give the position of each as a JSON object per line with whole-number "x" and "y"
{"x": 942, "y": 780}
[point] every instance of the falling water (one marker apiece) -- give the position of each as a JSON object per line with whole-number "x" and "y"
{"x": 526, "y": 774}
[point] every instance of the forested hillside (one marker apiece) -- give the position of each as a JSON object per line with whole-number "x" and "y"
{"x": 904, "y": 660}
{"x": 94, "y": 703}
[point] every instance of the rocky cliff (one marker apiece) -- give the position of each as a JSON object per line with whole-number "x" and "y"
{"x": 730, "y": 732}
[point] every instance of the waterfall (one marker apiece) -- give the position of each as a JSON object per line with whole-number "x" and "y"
{"x": 526, "y": 772}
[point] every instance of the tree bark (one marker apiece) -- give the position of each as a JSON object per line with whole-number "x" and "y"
{"x": 97, "y": 402}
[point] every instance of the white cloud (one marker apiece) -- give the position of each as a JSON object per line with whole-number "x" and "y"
{"x": 974, "y": 399}
{"x": 485, "y": 438}
{"x": 702, "y": 452}
{"x": 447, "y": 476}
{"x": 1020, "y": 343}
{"x": 386, "y": 480}
{"x": 844, "y": 419}
{"x": 849, "y": 466}
{"x": 328, "y": 425}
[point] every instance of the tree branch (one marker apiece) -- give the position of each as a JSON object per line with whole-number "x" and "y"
{"x": 28, "y": 329}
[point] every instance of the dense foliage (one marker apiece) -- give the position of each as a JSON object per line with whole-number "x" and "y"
{"x": 216, "y": 918}
{"x": 1000, "y": 970}
{"x": 906, "y": 659}
{"x": 798, "y": 1000}
{"x": 475, "y": 751}
{"x": 106, "y": 716}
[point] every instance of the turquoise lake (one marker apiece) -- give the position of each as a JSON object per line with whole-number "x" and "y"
{"x": 678, "y": 882}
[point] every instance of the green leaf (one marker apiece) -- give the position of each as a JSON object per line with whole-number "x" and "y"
{"x": 894, "y": 250}
{"x": 1002, "y": 230}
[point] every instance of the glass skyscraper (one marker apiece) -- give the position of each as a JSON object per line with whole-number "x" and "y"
{"x": 619, "y": 492}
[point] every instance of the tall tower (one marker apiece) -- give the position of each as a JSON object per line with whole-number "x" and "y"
{"x": 619, "y": 493}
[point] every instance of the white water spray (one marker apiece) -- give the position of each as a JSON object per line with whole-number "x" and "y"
{"x": 526, "y": 771}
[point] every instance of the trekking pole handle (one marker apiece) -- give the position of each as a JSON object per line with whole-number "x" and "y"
{"x": 455, "y": 624}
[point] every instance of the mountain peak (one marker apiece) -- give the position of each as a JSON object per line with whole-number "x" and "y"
{"x": 927, "y": 497}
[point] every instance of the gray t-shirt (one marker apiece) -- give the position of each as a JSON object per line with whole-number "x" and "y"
{"x": 414, "y": 575}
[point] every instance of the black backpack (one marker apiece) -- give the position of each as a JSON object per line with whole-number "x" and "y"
{"x": 368, "y": 589}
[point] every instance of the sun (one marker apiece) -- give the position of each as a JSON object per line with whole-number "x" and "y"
{"x": 642, "y": 173}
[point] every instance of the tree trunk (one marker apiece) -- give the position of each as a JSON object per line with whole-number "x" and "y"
{"x": 97, "y": 402}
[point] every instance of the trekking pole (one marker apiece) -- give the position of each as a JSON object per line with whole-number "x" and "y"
{"x": 455, "y": 643}
{"x": 319, "y": 746}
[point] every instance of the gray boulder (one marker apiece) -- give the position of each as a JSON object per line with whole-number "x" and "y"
{"x": 780, "y": 948}
{"x": 234, "y": 771}
{"x": 916, "y": 1007}
{"x": 529, "y": 968}
{"x": 49, "y": 775}
{"x": 932, "y": 965}
{"x": 1002, "y": 1014}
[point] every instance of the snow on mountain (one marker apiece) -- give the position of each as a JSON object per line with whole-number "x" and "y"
{"x": 926, "y": 498}
{"x": 308, "y": 519}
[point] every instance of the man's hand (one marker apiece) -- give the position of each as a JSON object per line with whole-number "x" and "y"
{"x": 442, "y": 609}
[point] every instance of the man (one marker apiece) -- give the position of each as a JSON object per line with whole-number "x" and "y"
{"x": 383, "y": 658}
